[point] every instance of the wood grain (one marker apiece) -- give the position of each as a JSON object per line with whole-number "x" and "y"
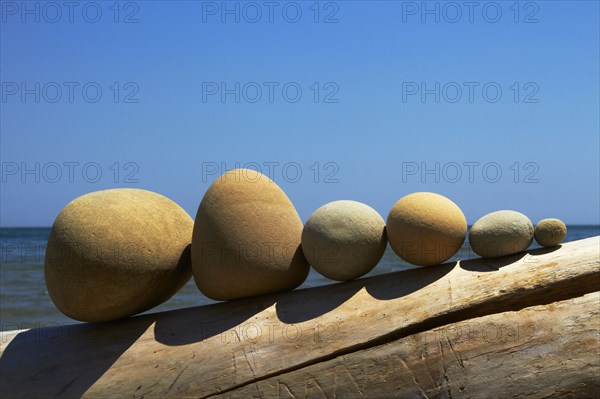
{"x": 538, "y": 352}
{"x": 218, "y": 349}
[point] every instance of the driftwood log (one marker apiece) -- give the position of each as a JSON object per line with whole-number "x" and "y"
{"x": 526, "y": 325}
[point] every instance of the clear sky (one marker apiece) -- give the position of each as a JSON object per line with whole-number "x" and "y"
{"x": 493, "y": 104}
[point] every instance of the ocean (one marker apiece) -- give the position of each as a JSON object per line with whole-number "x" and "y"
{"x": 24, "y": 301}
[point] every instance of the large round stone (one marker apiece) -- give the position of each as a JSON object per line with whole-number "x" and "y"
{"x": 344, "y": 240}
{"x": 501, "y": 233}
{"x": 550, "y": 232}
{"x": 246, "y": 238}
{"x": 426, "y": 228}
{"x": 115, "y": 253}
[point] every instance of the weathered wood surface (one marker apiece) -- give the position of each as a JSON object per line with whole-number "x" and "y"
{"x": 542, "y": 351}
{"x": 244, "y": 347}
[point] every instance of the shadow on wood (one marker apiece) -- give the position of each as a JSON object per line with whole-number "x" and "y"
{"x": 190, "y": 325}
{"x": 538, "y": 352}
{"x": 305, "y": 305}
{"x": 245, "y": 348}
{"x": 399, "y": 284}
{"x": 495, "y": 264}
{"x": 44, "y": 352}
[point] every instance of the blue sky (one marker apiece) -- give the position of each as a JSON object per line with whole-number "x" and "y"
{"x": 496, "y": 107}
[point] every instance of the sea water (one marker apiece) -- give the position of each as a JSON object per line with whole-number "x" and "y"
{"x": 24, "y": 300}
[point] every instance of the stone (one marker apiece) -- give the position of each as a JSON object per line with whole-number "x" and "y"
{"x": 550, "y": 232}
{"x": 426, "y": 228}
{"x": 344, "y": 240}
{"x": 114, "y": 253}
{"x": 246, "y": 238}
{"x": 501, "y": 233}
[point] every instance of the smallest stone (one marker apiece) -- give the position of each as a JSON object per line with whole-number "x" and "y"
{"x": 550, "y": 232}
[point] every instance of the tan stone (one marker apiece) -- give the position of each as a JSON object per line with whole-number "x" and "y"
{"x": 115, "y": 253}
{"x": 246, "y": 238}
{"x": 344, "y": 240}
{"x": 501, "y": 233}
{"x": 550, "y": 232}
{"x": 426, "y": 228}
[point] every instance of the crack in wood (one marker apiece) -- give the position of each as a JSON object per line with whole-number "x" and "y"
{"x": 58, "y": 394}
{"x": 248, "y": 361}
{"x": 446, "y": 379}
{"x": 177, "y": 378}
{"x": 532, "y": 295}
{"x": 458, "y": 358}
{"x": 417, "y": 383}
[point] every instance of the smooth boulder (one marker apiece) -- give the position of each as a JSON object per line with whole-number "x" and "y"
{"x": 501, "y": 233}
{"x": 246, "y": 238}
{"x": 115, "y": 253}
{"x": 426, "y": 228}
{"x": 344, "y": 240}
{"x": 550, "y": 232}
